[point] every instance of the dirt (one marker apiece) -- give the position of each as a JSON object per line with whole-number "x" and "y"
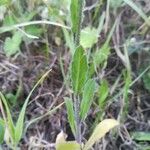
{"x": 25, "y": 69}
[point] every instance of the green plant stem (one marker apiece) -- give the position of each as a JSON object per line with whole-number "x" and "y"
{"x": 77, "y": 119}
{"x": 80, "y": 14}
{"x": 15, "y": 147}
{"x": 77, "y": 99}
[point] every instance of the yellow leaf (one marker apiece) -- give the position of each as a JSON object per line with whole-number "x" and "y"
{"x": 61, "y": 138}
{"x": 101, "y": 129}
{"x": 71, "y": 145}
{"x": 62, "y": 144}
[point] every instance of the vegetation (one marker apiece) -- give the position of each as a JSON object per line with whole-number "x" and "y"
{"x": 71, "y": 71}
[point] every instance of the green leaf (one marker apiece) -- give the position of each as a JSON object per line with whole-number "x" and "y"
{"x": 103, "y": 93}
{"x": 70, "y": 113}
{"x": 4, "y": 2}
{"x": 101, "y": 129}
{"x": 20, "y": 122}
{"x": 11, "y": 98}
{"x": 11, "y": 45}
{"x": 72, "y": 145}
{"x": 101, "y": 55}
{"x": 34, "y": 30}
{"x": 89, "y": 37}
{"x": 28, "y": 16}
{"x": 2, "y": 130}
{"x": 9, "y": 20}
{"x": 9, "y": 120}
{"x": 88, "y": 94}
{"x": 138, "y": 10}
{"x": 141, "y": 136}
{"x": 79, "y": 68}
{"x": 74, "y": 7}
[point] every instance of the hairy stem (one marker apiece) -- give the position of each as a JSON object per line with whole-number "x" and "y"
{"x": 80, "y": 14}
{"x": 77, "y": 98}
{"x": 77, "y": 119}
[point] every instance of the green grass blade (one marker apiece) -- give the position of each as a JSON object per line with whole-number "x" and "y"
{"x": 20, "y": 122}
{"x": 141, "y": 136}
{"x": 138, "y": 10}
{"x": 101, "y": 23}
{"x": 70, "y": 113}
{"x": 111, "y": 32}
{"x": 49, "y": 112}
{"x": 9, "y": 121}
{"x": 2, "y": 130}
{"x": 79, "y": 68}
{"x": 88, "y": 95}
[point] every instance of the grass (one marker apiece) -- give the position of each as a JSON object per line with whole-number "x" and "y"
{"x": 99, "y": 59}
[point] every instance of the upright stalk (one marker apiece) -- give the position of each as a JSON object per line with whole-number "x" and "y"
{"x": 76, "y": 97}
{"x": 78, "y": 31}
{"x": 77, "y": 119}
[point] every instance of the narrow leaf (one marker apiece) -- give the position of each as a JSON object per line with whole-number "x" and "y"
{"x": 79, "y": 69}
{"x": 9, "y": 120}
{"x": 88, "y": 95}
{"x": 101, "y": 129}
{"x": 20, "y": 122}
{"x": 70, "y": 113}
{"x": 2, "y": 130}
{"x": 141, "y": 136}
{"x": 103, "y": 93}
